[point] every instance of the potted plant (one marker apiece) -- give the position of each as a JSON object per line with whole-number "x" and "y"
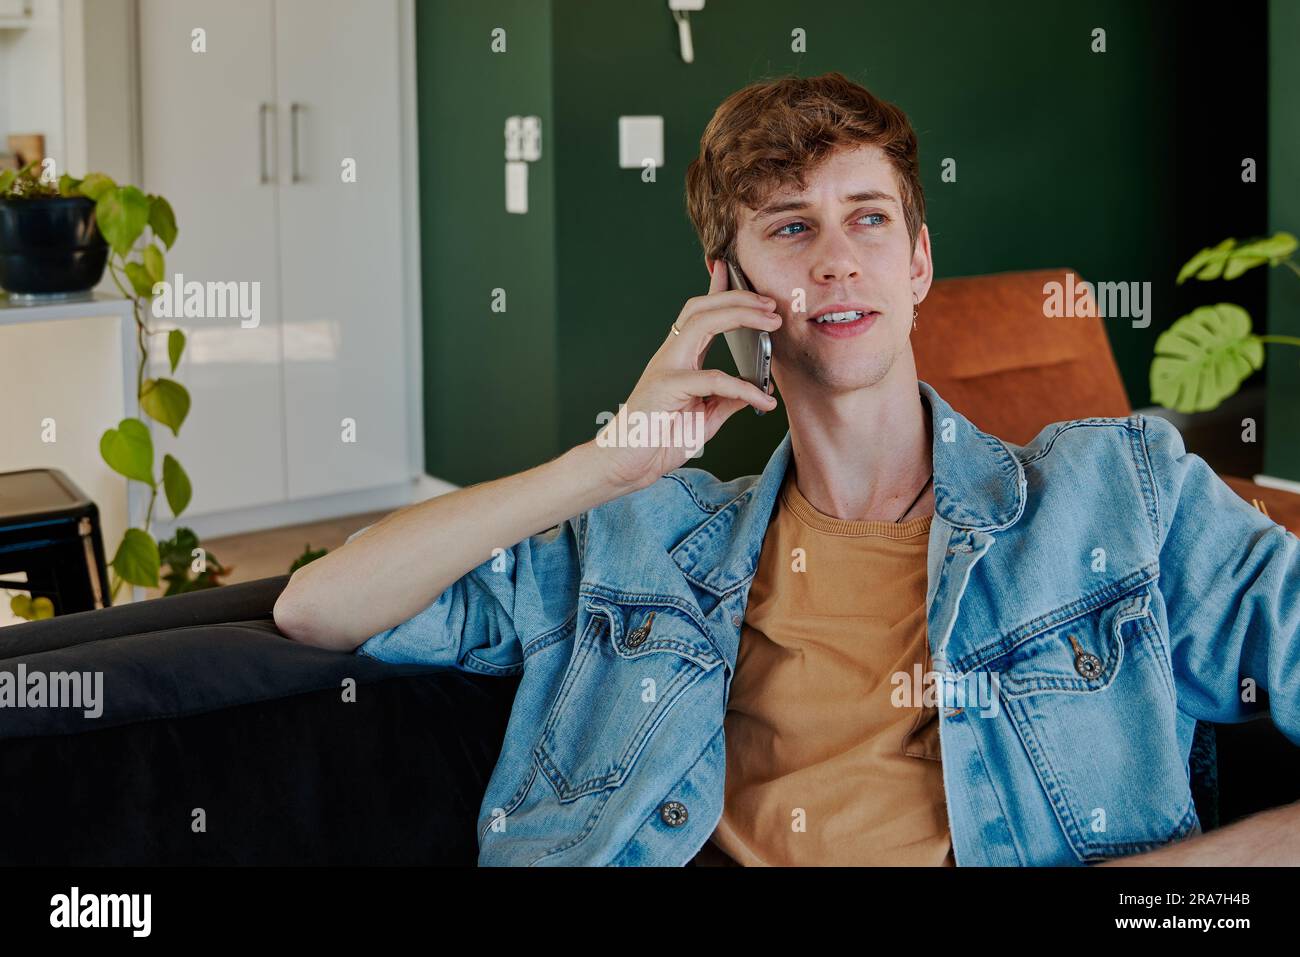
{"x": 135, "y": 230}
{"x": 1203, "y": 358}
{"x": 128, "y": 230}
{"x": 50, "y": 244}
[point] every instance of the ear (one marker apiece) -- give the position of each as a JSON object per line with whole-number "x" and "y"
{"x": 922, "y": 267}
{"x": 708, "y": 264}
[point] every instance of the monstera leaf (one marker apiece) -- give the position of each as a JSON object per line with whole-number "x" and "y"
{"x": 1204, "y": 357}
{"x": 1228, "y": 260}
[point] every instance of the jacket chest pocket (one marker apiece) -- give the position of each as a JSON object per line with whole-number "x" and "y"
{"x": 1092, "y": 700}
{"x": 630, "y": 665}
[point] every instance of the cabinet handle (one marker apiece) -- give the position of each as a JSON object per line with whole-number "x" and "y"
{"x": 262, "y": 112}
{"x": 295, "y": 110}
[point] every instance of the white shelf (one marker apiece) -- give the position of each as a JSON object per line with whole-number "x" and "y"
{"x": 72, "y": 361}
{"x": 97, "y": 304}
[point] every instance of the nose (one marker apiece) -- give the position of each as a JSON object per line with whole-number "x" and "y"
{"x": 836, "y": 261}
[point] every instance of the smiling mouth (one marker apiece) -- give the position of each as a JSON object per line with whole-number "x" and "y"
{"x": 837, "y": 318}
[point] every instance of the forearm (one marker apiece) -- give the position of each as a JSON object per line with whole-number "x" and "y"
{"x": 1270, "y": 838}
{"x": 402, "y": 563}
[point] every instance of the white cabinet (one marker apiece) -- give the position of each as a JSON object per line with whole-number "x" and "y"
{"x": 254, "y": 141}
{"x": 341, "y": 243}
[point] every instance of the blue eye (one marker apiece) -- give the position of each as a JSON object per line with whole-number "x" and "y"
{"x": 782, "y": 230}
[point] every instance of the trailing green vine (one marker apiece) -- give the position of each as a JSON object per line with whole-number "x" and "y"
{"x": 139, "y": 228}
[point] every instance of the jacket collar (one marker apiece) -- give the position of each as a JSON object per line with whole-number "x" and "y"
{"x": 979, "y": 485}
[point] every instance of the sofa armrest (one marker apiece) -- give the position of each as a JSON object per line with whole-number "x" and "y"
{"x": 296, "y": 755}
{"x": 245, "y": 601}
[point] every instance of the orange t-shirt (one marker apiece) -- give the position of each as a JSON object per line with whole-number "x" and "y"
{"x": 822, "y": 767}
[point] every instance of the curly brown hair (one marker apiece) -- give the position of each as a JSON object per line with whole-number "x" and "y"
{"x": 772, "y": 133}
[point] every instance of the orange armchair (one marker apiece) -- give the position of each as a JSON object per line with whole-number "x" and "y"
{"x": 985, "y": 345}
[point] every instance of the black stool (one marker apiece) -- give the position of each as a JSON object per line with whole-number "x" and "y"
{"x": 50, "y": 530}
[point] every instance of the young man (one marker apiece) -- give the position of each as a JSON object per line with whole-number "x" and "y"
{"x": 905, "y": 642}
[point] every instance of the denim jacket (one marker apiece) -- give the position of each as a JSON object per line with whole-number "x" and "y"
{"x": 1091, "y": 594}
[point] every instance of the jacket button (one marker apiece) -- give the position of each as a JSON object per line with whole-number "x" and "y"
{"x": 735, "y": 620}
{"x": 637, "y": 636}
{"x": 673, "y": 813}
{"x": 1087, "y": 664}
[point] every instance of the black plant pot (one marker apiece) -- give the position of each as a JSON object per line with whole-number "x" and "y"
{"x": 50, "y": 245}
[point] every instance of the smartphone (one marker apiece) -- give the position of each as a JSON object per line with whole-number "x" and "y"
{"x": 750, "y": 348}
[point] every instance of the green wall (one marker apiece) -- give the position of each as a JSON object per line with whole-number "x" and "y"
{"x": 490, "y": 379}
{"x": 1065, "y": 158}
{"x": 1281, "y": 447}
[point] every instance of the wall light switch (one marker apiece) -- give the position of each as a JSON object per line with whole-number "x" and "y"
{"x": 532, "y": 138}
{"x": 517, "y": 187}
{"x": 514, "y": 138}
{"x": 640, "y": 138}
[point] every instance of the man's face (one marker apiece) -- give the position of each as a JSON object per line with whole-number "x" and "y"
{"x": 845, "y": 246}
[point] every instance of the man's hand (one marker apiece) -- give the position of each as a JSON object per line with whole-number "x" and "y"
{"x": 675, "y": 383}
{"x": 1270, "y": 839}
